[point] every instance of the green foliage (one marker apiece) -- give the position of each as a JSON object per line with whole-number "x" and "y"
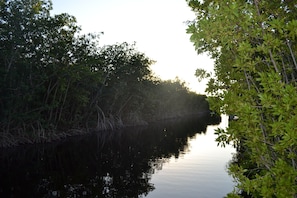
{"x": 171, "y": 99}
{"x": 55, "y": 81}
{"x": 202, "y": 74}
{"x": 255, "y": 78}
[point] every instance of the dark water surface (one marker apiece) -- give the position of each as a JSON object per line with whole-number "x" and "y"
{"x": 169, "y": 159}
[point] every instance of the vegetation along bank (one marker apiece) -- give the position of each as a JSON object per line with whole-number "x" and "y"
{"x": 253, "y": 43}
{"x": 56, "y": 82}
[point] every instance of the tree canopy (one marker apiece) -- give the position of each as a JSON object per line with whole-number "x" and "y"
{"x": 253, "y": 44}
{"x": 55, "y": 81}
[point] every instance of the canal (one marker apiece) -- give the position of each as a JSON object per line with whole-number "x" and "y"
{"x": 176, "y": 158}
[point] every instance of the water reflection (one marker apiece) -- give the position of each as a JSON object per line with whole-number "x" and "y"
{"x": 107, "y": 164}
{"x": 201, "y": 172}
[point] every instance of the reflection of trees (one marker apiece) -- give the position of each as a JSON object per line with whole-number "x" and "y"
{"x": 107, "y": 164}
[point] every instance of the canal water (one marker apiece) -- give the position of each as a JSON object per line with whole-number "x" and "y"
{"x": 176, "y": 158}
{"x": 198, "y": 172}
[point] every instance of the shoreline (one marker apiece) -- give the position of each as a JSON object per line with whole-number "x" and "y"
{"x": 9, "y": 140}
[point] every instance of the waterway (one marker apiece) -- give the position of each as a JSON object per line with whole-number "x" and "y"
{"x": 200, "y": 172}
{"x": 177, "y": 158}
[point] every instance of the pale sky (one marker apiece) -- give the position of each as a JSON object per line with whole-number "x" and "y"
{"x": 157, "y": 26}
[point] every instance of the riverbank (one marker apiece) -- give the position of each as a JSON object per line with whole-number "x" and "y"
{"x": 130, "y": 159}
{"x": 12, "y": 140}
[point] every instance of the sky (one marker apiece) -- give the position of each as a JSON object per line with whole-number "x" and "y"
{"x": 156, "y": 26}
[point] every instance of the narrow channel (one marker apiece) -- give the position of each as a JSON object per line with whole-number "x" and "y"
{"x": 177, "y": 158}
{"x": 198, "y": 172}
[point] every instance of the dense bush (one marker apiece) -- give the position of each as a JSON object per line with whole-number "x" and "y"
{"x": 254, "y": 47}
{"x": 55, "y": 81}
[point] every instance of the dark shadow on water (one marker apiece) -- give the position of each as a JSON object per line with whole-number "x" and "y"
{"x": 104, "y": 164}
